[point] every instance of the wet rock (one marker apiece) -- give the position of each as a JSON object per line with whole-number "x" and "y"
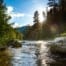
{"x": 14, "y": 44}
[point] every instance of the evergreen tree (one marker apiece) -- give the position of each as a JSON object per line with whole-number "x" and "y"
{"x": 57, "y": 15}
{"x": 36, "y": 17}
{"x": 34, "y": 32}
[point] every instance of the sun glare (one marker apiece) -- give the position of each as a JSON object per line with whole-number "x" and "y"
{"x": 41, "y": 17}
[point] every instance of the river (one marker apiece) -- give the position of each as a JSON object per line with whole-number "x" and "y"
{"x": 36, "y": 53}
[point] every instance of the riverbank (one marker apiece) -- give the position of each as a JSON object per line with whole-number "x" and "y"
{"x": 5, "y": 53}
{"x": 5, "y": 57}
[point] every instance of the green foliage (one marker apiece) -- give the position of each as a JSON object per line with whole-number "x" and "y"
{"x": 6, "y": 31}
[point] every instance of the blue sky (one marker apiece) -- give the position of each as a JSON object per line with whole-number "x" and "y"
{"x": 22, "y": 10}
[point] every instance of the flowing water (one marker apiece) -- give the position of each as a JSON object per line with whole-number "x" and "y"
{"x": 36, "y": 53}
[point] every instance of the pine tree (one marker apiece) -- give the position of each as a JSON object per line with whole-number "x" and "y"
{"x": 35, "y": 32}
{"x": 36, "y": 17}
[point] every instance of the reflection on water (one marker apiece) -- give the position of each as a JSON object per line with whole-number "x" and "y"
{"x": 36, "y": 53}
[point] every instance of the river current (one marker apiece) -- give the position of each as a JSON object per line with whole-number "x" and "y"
{"x": 36, "y": 53}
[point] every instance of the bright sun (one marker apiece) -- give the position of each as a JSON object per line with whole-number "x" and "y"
{"x": 41, "y": 17}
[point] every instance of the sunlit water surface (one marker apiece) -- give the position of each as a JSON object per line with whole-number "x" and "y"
{"x": 36, "y": 53}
